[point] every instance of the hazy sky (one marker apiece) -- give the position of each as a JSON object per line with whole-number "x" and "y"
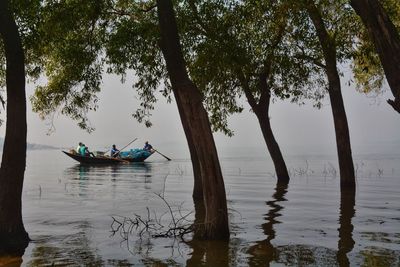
{"x": 297, "y": 128}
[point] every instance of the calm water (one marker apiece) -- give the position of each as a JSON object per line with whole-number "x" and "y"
{"x": 68, "y": 212}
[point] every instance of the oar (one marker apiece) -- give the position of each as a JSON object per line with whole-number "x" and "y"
{"x": 124, "y": 147}
{"x": 161, "y": 154}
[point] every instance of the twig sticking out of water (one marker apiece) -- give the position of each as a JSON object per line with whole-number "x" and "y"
{"x": 331, "y": 170}
{"x": 180, "y": 171}
{"x": 154, "y": 226}
{"x": 301, "y": 171}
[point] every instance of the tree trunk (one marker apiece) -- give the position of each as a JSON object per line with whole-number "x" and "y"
{"x": 273, "y": 147}
{"x": 261, "y": 109}
{"x": 386, "y": 40}
{"x": 346, "y": 241}
{"x": 13, "y": 237}
{"x": 197, "y": 187}
{"x": 346, "y": 166}
{"x": 196, "y": 126}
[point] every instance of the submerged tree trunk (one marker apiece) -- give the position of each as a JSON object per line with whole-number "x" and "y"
{"x": 346, "y": 241}
{"x": 261, "y": 109}
{"x": 196, "y": 126}
{"x": 13, "y": 237}
{"x": 346, "y": 166}
{"x": 386, "y": 40}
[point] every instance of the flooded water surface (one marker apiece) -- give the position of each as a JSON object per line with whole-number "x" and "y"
{"x": 70, "y": 211}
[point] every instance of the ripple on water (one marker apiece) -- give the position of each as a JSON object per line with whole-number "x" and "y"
{"x": 67, "y": 211}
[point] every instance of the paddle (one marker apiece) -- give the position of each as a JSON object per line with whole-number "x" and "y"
{"x": 124, "y": 147}
{"x": 162, "y": 154}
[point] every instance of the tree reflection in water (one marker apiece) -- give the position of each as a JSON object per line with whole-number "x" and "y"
{"x": 206, "y": 253}
{"x": 78, "y": 249}
{"x": 203, "y": 253}
{"x": 263, "y": 252}
{"x": 10, "y": 261}
{"x": 74, "y": 250}
{"x": 346, "y": 241}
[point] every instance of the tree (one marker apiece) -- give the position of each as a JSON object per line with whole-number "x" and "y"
{"x": 386, "y": 40}
{"x": 14, "y": 238}
{"x": 329, "y": 43}
{"x": 195, "y": 123}
{"x": 234, "y": 68}
{"x": 126, "y": 36}
{"x": 245, "y": 49}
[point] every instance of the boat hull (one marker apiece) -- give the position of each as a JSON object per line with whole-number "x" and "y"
{"x": 108, "y": 160}
{"x": 93, "y": 160}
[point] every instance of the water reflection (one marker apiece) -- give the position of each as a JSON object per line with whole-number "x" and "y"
{"x": 71, "y": 250}
{"x": 81, "y": 174}
{"x": 263, "y": 252}
{"x": 210, "y": 253}
{"x": 316, "y": 226}
{"x": 206, "y": 253}
{"x": 346, "y": 241}
{"x": 10, "y": 261}
{"x": 84, "y": 170}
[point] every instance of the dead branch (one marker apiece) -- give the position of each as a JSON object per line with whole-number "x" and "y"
{"x": 155, "y": 226}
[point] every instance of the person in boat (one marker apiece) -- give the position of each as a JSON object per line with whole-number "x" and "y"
{"x": 78, "y": 149}
{"x": 114, "y": 151}
{"x": 88, "y": 153}
{"x": 84, "y": 151}
{"x": 148, "y": 147}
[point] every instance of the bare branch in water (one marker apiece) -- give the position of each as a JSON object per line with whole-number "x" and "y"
{"x": 155, "y": 226}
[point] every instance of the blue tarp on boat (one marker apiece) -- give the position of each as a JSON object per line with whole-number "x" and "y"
{"x": 135, "y": 154}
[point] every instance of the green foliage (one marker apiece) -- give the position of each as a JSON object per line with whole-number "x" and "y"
{"x": 228, "y": 44}
{"x": 25, "y": 14}
{"x": 132, "y": 44}
{"x": 70, "y": 52}
{"x": 366, "y": 66}
{"x": 95, "y": 37}
{"x": 72, "y": 44}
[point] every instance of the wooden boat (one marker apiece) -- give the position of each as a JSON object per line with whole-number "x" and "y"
{"x": 93, "y": 160}
{"x": 134, "y": 155}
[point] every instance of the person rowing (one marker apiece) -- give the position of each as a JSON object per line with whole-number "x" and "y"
{"x": 84, "y": 151}
{"x": 148, "y": 147}
{"x": 114, "y": 151}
